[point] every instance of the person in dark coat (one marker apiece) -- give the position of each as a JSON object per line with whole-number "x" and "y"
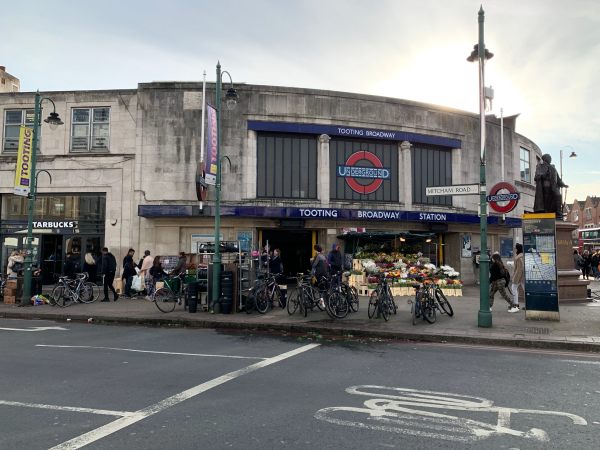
{"x": 587, "y": 264}
{"x": 128, "y": 272}
{"x": 335, "y": 259}
{"x": 499, "y": 279}
{"x": 70, "y": 267}
{"x": 108, "y": 267}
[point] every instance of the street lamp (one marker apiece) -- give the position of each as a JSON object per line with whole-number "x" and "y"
{"x": 572, "y": 155}
{"x": 231, "y": 99}
{"x": 481, "y": 54}
{"x": 54, "y": 121}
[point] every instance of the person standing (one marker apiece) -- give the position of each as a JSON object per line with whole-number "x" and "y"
{"x": 156, "y": 273}
{"x": 90, "y": 267}
{"x": 108, "y": 267}
{"x": 595, "y": 260}
{"x": 15, "y": 264}
{"x": 518, "y": 278}
{"x": 499, "y": 279}
{"x": 276, "y": 268}
{"x": 335, "y": 259}
{"x": 145, "y": 266}
{"x": 577, "y": 260}
{"x": 128, "y": 272}
{"x": 319, "y": 270}
{"x": 587, "y": 263}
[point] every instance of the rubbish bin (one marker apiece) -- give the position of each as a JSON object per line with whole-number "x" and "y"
{"x": 191, "y": 296}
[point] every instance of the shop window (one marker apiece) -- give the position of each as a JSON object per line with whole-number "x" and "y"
{"x": 363, "y": 170}
{"x": 286, "y": 166}
{"x": 13, "y": 119}
{"x": 525, "y": 165}
{"x": 431, "y": 166}
{"x": 90, "y": 129}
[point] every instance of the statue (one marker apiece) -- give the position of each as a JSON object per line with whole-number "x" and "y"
{"x": 548, "y": 198}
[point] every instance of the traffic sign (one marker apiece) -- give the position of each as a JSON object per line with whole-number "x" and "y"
{"x": 456, "y": 189}
{"x": 503, "y": 202}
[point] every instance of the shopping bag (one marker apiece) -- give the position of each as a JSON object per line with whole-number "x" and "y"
{"x": 137, "y": 284}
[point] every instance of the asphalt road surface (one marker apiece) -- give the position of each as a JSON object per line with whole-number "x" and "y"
{"x": 72, "y": 385}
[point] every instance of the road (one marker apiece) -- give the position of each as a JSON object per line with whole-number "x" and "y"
{"x": 114, "y": 387}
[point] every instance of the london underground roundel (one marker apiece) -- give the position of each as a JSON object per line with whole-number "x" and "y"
{"x": 503, "y": 197}
{"x": 363, "y": 172}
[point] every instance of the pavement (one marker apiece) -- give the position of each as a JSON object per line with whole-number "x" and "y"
{"x": 578, "y": 328}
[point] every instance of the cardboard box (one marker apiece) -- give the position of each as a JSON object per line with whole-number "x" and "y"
{"x": 11, "y": 284}
{"x": 9, "y": 299}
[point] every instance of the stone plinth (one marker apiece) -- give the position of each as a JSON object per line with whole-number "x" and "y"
{"x": 570, "y": 288}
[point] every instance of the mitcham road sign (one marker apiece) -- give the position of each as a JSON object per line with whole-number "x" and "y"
{"x": 457, "y": 189}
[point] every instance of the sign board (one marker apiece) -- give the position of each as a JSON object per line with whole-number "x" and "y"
{"x": 211, "y": 159}
{"x": 503, "y": 197}
{"x": 364, "y": 172}
{"x": 456, "y": 189}
{"x": 541, "y": 281}
{"x": 23, "y": 171}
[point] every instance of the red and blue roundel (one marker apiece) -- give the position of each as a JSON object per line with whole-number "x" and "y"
{"x": 363, "y": 172}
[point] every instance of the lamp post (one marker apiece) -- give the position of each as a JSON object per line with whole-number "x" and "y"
{"x": 231, "y": 99}
{"x": 480, "y": 54}
{"x": 53, "y": 120}
{"x": 572, "y": 155}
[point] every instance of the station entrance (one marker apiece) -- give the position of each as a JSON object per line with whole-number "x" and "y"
{"x": 296, "y": 247}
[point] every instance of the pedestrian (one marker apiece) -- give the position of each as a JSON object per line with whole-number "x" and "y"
{"x": 36, "y": 280}
{"x": 577, "y": 261}
{"x": 90, "y": 267}
{"x": 276, "y": 268}
{"x": 518, "y": 279}
{"x": 108, "y": 268}
{"x": 15, "y": 265}
{"x": 587, "y": 264}
{"x": 180, "y": 267}
{"x": 145, "y": 266}
{"x": 319, "y": 270}
{"x": 595, "y": 262}
{"x": 335, "y": 260}
{"x": 264, "y": 258}
{"x": 128, "y": 272}
{"x": 156, "y": 273}
{"x": 499, "y": 279}
{"x": 70, "y": 268}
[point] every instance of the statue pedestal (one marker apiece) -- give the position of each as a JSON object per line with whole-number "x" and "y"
{"x": 570, "y": 288}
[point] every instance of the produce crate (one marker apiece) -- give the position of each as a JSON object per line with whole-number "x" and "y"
{"x": 452, "y": 292}
{"x": 364, "y": 289}
{"x": 356, "y": 280}
{"x": 9, "y": 299}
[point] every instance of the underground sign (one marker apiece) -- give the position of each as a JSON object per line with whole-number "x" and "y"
{"x": 503, "y": 197}
{"x": 372, "y": 177}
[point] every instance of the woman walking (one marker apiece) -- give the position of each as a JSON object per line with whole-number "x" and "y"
{"x": 499, "y": 278}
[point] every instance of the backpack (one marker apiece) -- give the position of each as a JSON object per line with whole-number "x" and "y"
{"x": 17, "y": 266}
{"x": 506, "y": 276}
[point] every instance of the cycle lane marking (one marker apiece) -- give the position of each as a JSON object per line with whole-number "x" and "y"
{"x": 136, "y": 416}
{"x": 432, "y": 414}
{"x": 208, "y": 355}
{"x": 34, "y": 329}
{"x": 103, "y": 412}
{"x": 575, "y": 361}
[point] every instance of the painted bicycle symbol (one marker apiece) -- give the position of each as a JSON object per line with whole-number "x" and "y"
{"x": 432, "y": 414}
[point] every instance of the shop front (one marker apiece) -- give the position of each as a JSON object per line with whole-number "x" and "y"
{"x": 65, "y": 228}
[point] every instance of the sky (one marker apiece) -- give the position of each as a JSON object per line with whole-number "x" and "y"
{"x": 546, "y": 63}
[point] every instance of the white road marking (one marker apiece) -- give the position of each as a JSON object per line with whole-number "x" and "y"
{"x": 387, "y": 410}
{"x": 575, "y": 361}
{"x": 123, "y": 422}
{"x": 538, "y": 351}
{"x": 35, "y": 329}
{"x": 104, "y": 412}
{"x": 150, "y": 351}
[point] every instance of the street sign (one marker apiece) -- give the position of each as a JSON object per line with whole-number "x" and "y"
{"x": 503, "y": 202}
{"x": 456, "y": 189}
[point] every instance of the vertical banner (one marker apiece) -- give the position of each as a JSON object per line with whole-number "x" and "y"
{"x": 541, "y": 281}
{"x": 23, "y": 171}
{"x": 212, "y": 143}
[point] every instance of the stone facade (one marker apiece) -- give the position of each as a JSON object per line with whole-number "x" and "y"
{"x": 8, "y": 82}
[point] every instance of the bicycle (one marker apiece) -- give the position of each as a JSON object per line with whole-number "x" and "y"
{"x": 382, "y": 301}
{"x": 423, "y": 304}
{"x": 68, "y": 291}
{"x": 265, "y": 292}
{"x": 336, "y": 302}
{"x": 170, "y": 295}
{"x": 441, "y": 302}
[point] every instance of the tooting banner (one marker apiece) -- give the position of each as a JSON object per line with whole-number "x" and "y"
{"x": 212, "y": 156}
{"x": 23, "y": 171}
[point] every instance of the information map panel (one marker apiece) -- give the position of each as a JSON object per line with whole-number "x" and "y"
{"x": 539, "y": 247}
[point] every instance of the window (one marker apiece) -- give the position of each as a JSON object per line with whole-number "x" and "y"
{"x": 525, "y": 165}
{"x": 588, "y": 214}
{"x": 286, "y": 166}
{"x": 431, "y": 166}
{"x": 13, "y": 119}
{"x": 90, "y": 129}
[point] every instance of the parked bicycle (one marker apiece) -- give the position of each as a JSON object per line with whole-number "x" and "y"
{"x": 264, "y": 294}
{"x": 423, "y": 306}
{"x": 441, "y": 302}
{"x": 381, "y": 302}
{"x": 170, "y": 295}
{"x": 68, "y": 291}
{"x": 306, "y": 296}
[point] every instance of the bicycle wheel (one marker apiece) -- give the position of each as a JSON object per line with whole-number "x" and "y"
{"x": 429, "y": 309}
{"x": 250, "y": 303}
{"x": 373, "y": 304}
{"x": 279, "y": 296}
{"x": 306, "y": 300}
{"x": 89, "y": 292}
{"x": 262, "y": 300}
{"x": 443, "y": 302}
{"x": 57, "y": 296}
{"x": 415, "y": 309}
{"x": 351, "y": 295}
{"x": 337, "y": 305}
{"x": 165, "y": 300}
{"x": 292, "y": 302}
{"x": 385, "y": 307}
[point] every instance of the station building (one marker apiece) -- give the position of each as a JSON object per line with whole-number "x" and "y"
{"x": 303, "y": 166}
